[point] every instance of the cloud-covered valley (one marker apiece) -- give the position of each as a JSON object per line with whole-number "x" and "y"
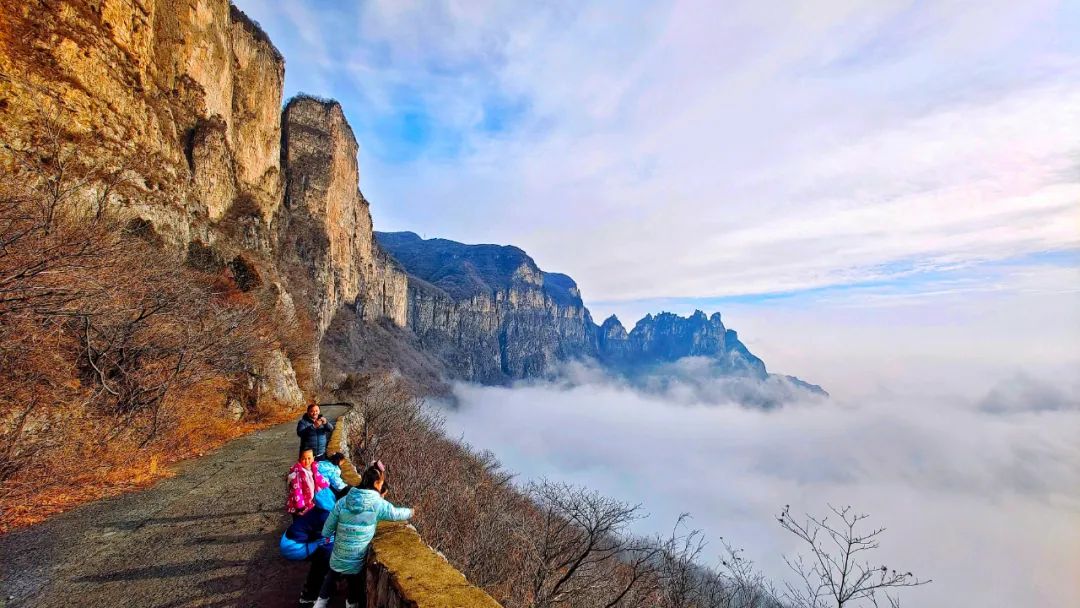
{"x": 981, "y": 495}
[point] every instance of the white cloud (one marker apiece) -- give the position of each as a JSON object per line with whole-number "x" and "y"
{"x": 985, "y": 504}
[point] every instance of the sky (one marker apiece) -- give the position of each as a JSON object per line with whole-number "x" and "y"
{"x": 883, "y": 197}
{"x": 708, "y": 150}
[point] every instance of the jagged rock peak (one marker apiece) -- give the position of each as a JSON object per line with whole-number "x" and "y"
{"x": 612, "y": 329}
{"x": 612, "y": 321}
{"x": 254, "y": 30}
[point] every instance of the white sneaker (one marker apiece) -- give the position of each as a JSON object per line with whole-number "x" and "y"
{"x": 322, "y": 603}
{"x": 349, "y": 604}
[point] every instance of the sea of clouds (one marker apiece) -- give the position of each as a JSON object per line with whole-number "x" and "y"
{"x": 978, "y": 490}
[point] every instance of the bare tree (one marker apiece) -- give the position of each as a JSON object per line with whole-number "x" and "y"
{"x": 681, "y": 576}
{"x": 744, "y": 586}
{"x": 108, "y": 341}
{"x": 580, "y": 544}
{"x": 837, "y": 572}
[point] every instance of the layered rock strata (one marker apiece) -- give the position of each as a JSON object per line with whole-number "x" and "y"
{"x": 487, "y": 311}
{"x": 490, "y": 315}
{"x": 324, "y": 231}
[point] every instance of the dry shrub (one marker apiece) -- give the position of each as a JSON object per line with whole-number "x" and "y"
{"x": 113, "y": 353}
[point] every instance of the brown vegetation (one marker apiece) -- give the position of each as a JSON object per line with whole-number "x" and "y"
{"x": 115, "y": 357}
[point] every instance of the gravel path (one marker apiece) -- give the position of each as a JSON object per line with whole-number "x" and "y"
{"x": 206, "y": 537}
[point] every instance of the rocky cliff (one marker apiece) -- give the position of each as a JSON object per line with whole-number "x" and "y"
{"x": 181, "y": 101}
{"x": 487, "y": 311}
{"x": 324, "y": 232}
{"x": 667, "y": 337}
{"x": 490, "y": 315}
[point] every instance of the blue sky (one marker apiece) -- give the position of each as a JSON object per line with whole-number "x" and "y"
{"x": 707, "y": 153}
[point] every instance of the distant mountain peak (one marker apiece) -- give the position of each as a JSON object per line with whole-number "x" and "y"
{"x": 495, "y": 316}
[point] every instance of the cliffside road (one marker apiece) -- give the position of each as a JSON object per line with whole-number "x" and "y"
{"x": 206, "y": 537}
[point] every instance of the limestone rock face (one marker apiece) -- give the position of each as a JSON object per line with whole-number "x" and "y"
{"x": 667, "y": 337}
{"x": 277, "y": 380}
{"x": 185, "y": 97}
{"x": 187, "y": 93}
{"x": 612, "y": 339}
{"x": 487, "y": 311}
{"x": 324, "y": 231}
{"x": 490, "y": 315}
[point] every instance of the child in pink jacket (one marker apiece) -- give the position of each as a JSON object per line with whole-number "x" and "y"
{"x": 304, "y": 482}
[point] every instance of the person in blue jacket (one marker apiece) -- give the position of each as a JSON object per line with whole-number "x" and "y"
{"x": 304, "y": 540}
{"x": 314, "y": 431}
{"x": 352, "y": 524}
{"x": 330, "y": 469}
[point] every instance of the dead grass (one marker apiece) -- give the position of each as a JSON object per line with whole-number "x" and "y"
{"x": 117, "y": 359}
{"x": 28, "y": 501}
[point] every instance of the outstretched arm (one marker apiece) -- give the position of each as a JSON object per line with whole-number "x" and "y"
{"x": 388, "y": 512}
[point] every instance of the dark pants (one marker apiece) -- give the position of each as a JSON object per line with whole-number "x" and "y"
{"x": 357, "y": 589}
{"x": 320, "y": 564}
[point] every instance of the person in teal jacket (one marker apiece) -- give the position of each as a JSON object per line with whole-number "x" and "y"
{"x": 352, "y": 523}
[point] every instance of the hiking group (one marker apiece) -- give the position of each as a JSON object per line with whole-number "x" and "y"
{"x": 333, "y": 523}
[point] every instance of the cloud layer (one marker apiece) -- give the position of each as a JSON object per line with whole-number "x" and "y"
{"x": 985, "y": 503}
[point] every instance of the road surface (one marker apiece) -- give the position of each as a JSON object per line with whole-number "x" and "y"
{"x": 206, "y": 537}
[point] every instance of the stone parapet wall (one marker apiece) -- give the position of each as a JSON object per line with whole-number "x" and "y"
{"x": 402, "y": 571}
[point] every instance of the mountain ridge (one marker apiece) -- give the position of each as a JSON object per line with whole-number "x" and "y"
{"x": 487, "y": 294}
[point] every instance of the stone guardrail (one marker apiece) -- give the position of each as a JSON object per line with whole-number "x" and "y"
{"x": 402, "y": 571}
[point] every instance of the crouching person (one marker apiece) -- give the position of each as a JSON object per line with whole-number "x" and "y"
{"x": 304, "y": 540}
{"x": 352, "y": 524}
{"x": 330, "y": 469}
{"x": 304, "y": 482}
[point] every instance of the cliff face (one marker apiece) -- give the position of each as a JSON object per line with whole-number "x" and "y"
{"x": 667, "y": 337}
{"x": 182, "y": 100}
{"x": 490, "y": 315}
{"x": 187, "y": 93}
{"x": 324, "y": 233}
{"x": 487, "y": 311}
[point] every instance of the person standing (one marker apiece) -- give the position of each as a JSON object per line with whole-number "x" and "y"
{"x": 352, "y": 524}
{"x": 314, "y": 431}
